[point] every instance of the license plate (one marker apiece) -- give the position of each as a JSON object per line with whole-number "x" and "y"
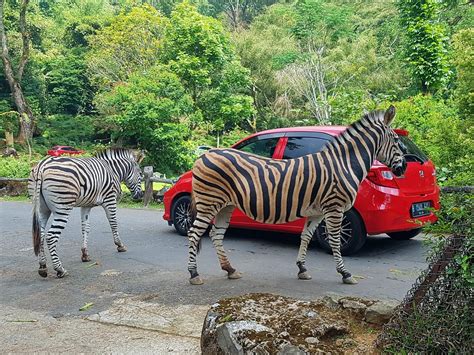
{"x": 420, "y": 209}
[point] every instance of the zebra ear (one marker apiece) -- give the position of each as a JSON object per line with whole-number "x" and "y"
{"x": 389, "y": 115}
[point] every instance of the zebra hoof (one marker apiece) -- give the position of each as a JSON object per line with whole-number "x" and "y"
{"x": 304, "y": 276}
{"x": 349, "y": 280}
{"x": 61, "y": 273}
{"x": 196, "y": 281}
{"x": 234, "y": 276}
{"x": 121, "y": 248}
{"x": 43, "y": 271}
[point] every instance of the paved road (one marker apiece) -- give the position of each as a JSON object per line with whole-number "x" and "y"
{"x": 156, "y": 260}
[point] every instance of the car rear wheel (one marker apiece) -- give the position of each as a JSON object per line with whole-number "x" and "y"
{"x": 181, "y": 215}
{"x": 353, "y": 235}
{"x": 405, "y": 235}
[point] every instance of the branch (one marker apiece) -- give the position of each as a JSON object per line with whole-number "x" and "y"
{"x": 25, "y": 40}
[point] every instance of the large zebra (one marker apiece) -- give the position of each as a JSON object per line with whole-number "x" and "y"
{"x": 59, "y": 184}
{"x": 316, "y": 186}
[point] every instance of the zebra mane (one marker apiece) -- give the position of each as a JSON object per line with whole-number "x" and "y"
{"x": 110, "y": 153}
{"x": 367, "y": 121}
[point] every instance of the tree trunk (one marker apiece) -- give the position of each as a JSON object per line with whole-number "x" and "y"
{"x": 9, "y": 139}
{"x": 27, "y": 119}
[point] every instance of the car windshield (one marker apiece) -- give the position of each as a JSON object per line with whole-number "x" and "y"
{"x": 411, "y": 150}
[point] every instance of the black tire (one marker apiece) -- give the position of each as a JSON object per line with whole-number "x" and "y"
{"x": 181, "y": 215}
{"x": 405, "y": 235}
{"x": 353, "y": 234}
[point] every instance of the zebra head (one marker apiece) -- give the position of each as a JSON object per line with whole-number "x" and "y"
{"x": 389, "y": 152}
{"x": 133, "y": 180}
{"x": 125, "y": 164}
{"x": 133, "y": 177}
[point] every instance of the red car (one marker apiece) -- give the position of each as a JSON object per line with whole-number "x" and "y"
{"x": 398, "y": 206}
{"x": 58, "y": 150}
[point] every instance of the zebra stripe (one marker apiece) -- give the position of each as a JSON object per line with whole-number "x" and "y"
{"x": 316, "y": 186}
{"x": 57, "y": 185}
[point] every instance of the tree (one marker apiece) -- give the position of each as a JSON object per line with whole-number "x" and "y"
{"x": 199, "y": 51}
{"x": 131, "y": 42}
{"x": 239, "y": 12}
{"x": 425, "y": 46}
{"x": 14, "y": 76}
{"x": 153, "y": 111}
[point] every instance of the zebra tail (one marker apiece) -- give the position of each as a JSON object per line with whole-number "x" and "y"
{"x": 36, "y": 230}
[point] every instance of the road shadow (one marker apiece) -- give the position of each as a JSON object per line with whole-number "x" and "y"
{"x": 375, "y": 245}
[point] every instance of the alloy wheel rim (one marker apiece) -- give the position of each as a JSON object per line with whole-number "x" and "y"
{"x": 183, "y": 215}
{"x": 346, "y": 232}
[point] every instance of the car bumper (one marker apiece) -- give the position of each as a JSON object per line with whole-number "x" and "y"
{"x": 386, "y": 210}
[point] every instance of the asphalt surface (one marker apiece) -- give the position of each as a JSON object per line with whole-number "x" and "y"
{"x": 156, "y": 265}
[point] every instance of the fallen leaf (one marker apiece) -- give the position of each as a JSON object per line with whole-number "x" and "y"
{"x": 93, "y": 264}
{"x": 86, "y": 307}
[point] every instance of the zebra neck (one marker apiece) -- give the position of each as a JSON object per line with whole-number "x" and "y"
{"x": 118, "y": 168}
{"x": 355, "y": 150}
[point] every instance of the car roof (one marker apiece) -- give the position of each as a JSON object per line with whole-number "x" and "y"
{"x": 331, "y": 130}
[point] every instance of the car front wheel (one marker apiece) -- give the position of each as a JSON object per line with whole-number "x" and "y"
{"x": 405, "y": 235}
{"x": 181, "y": 215}
{"x": 353, "y": 235}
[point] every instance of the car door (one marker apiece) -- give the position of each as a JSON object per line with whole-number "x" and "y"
{"x": 266, "y": 146}
{"x": 292, "y": 145}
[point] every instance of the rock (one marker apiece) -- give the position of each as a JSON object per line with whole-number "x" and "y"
{"x": 352, "y": 304}
{"x": 311, "y": 314}
{"x": 331, "y": 301}
{"x": 291, "y": 350}
{"x": 312, "y": 340}
{"x": 380, "y": 312}
{"x": 227, "y": 340}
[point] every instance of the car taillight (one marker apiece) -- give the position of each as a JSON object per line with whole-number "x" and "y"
{"x": 382, "y": 177}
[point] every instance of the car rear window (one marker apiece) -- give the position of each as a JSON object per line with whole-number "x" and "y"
{"x": 300, "y": 146}
{"x": 411, "y": 150}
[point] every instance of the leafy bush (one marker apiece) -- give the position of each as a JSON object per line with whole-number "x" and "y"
{"x": 16, "y": 167}
{"x": 65, "y": 130}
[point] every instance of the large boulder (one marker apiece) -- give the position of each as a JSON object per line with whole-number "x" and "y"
{"x": 265, "y": 323}
{"x": 380, "y": 312}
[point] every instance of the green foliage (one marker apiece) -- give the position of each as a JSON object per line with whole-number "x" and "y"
{"x": 65, "y": 130}
{"x": 426, "y": 119}
{"x": 463, "y": 58}
{"x": 455, "y": 216}
{"x": 15, "y": 167}
{"x": 153, "y": 111}
{"x": 131, "y": 42}
{"x": 425, "y": 43}
{"x": 67, "y": 84}
{"x": 321, "y": 23}
{"x": 198, "y": 50}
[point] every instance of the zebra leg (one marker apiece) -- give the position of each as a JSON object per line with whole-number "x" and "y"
{"x": 44, "y": 214}
{"x": 52, "y": 237}
{"x": 333, "y": 225}
{"x": 221, "y": 222}
{"x": 85, "y": 227}
{"x": 199, "y": 227}
{"x": 110, "y": 208}
{"x": 311, "y": 224}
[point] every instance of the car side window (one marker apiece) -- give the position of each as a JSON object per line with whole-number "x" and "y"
{"x": 300, "y": 146}
{"x": 259, "y": 146}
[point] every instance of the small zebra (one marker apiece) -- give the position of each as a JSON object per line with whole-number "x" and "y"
{"x": 315, "y": 186}
{"x": 59, "y": 184}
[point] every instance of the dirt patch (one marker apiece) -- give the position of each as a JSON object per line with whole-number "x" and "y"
{"x": 334, "y": 325}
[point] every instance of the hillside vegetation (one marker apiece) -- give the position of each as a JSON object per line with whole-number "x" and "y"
{"x": 168, "y": 76}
